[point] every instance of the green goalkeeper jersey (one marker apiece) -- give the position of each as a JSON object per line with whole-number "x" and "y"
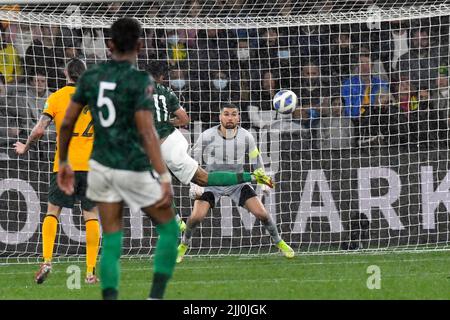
{"x": 114, "y": 91}
{"x": 166, "y": 103}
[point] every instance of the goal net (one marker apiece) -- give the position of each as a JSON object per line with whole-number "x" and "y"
{"x": 361, "y": 164}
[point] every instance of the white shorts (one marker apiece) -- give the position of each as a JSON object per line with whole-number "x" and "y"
{"x": 175, "y": 153}
{"x": 139, "y": 189}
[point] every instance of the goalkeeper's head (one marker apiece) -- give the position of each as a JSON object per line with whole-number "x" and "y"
{"x": 74, "y": 69}
{"x": 125, "y": 36}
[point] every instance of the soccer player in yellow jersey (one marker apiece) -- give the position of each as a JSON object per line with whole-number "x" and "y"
{"x": 79, "y": 154}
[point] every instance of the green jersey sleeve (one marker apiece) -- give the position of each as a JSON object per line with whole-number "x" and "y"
{"x": 144, "y": 95}
{"x": 173, "y": 104}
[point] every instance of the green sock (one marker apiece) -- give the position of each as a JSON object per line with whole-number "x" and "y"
{"x": 226, "y": 178}
{"x": 165, "y": 257}
{"x": 110, "y": 262}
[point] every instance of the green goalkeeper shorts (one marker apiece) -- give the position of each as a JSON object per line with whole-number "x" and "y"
{"x": 58, "y": 198}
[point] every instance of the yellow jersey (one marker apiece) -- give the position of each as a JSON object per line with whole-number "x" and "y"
{"x": 83, "y": 133}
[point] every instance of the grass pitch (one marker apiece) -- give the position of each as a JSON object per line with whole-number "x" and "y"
{"x": 403, "y": 276}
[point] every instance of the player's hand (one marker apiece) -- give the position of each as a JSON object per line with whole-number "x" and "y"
{"x": 66, "y": 179}
{"x": 20, "y": 148}
{"x": 265, "y": 189}
{"x": 166, "y": 197}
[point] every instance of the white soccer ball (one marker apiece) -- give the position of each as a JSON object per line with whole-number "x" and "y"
{"x": 285, "y": 101}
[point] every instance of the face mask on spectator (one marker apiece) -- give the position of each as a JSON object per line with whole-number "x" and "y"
{"x": 243, "y": 54}
{"x": 173, "y": 39}
{"x": 220, "y": 83}
{"x": 283, "y": 54}
{"x": 177, "y": 83}
{"x": 444, "y": 92}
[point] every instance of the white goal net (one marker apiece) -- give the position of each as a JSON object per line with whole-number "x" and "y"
{"x": 361, "y": 164}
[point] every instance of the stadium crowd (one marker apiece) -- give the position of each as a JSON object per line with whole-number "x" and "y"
{"x": 358, "y": 84}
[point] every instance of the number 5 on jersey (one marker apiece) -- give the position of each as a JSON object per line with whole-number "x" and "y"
{"x": 102, "y": 100}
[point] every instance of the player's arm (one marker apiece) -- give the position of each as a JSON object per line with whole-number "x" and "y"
{"x": 37, "y": 133}
{"x": 181, "y": 118}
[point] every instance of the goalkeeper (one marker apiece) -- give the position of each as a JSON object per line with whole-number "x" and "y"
{"x": 80, "y": 150}
{"x": 168, "y": 114}
{"x": 224, "y": 147}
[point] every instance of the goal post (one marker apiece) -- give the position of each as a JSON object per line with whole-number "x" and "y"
{"x": 361, "y": 165}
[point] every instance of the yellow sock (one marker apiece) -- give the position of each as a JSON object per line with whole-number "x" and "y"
{"x": 49, "y": 228}
{"x": 92, "y": 243}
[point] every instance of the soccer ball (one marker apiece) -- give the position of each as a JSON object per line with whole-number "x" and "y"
{"x": 285, "y": 101}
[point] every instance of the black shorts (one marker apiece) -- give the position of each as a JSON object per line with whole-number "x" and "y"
{"x": 58, "y": 198}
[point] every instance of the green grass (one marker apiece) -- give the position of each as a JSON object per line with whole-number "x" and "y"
{"x": 403, "y": 276}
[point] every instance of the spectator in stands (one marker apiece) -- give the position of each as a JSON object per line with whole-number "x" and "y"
{"x": 421, "y": 62}
{"x": 394, "y": 43}
{"x": 187, "y": 92}
{"x": 260, "y": 111}
{"x": 383, "y": 122}
{"x": 213, "y": 50}
{"x": 407, "y": 96}
{"x": 441, "y": 93}
{"x": 27, "y": 101}
{"x": 94, "y": 44}
{"x": 336, "y": 56}
{"x": 313, "y": 84}
{"x": 9, "y": 130}
{"x": 310, "y": 41}
{"x": 359, "y": 91}
{"x": 20, "y": 36}
{"x": 440, "y": 97}
{"x": 269, "y": 50}
{"x": 416, "y": 105}
{"x": 219, "y": 89}
{"x": 190, "y": 35}
{"x": 41, "y": 54}
{"x": 336, "y": 131}
{"x": 423, "y": 122}
{"x": 176, "y": 47}
{"x": 240, "y": 59}
{"x": 10, "y": 63}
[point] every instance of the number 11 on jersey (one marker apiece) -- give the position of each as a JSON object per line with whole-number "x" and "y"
{"x": 165, "y": 112}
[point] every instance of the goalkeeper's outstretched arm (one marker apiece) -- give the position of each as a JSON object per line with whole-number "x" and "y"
{"x": 36, "y": 134}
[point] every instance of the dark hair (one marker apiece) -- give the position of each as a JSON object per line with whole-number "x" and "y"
{"x": 37, "y": 71}
{"x": 125, "y": 34}
{"x": 75, "y": 68}
{"x": 229, "y": 105}
{"x": 157, "y": 68}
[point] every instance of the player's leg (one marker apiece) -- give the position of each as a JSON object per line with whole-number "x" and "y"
{"x": 103, "y": 190}
{"x": 179, "y": 220}
{"x": 253, "y": 204}
{"x": 90, "y": 214}
{"x": 92, "y": 243}
{"x": 111, "y": 220}
{"x": 49, "y": 229}
{"x": 166, "y": 248}
{"x": 174, "y": 150}
{"x": 228, "y": 178}
{"x": 199, "y": 212}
